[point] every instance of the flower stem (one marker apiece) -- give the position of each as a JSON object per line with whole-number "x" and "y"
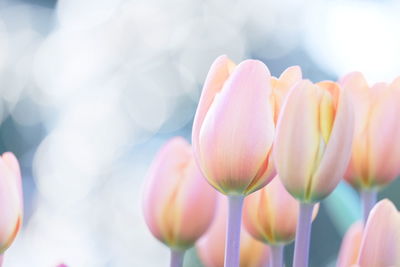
{"x": 303, "y": 234}
{"x": 232, "y": 247}
{"x": 276, "y": 255}
{"x": 176, "y": 258}
{"x": 368, "y": 200}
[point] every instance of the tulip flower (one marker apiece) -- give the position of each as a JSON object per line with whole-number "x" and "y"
{"x": 312, "y": 149}
{"x": 11, "y": 205}
{"x": 270, "y": 215}
{"x": 375, "y": 159}
{"x": 351, "y": 246}
{"x": 233, "y": 129}
{"x": 211, "y": 246}
{"x": 232, "y": 137}
{"x": 178, "y": 203}
{"x": 380, "y": 245}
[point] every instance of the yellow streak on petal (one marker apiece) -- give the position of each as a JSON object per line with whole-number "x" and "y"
{"x": 326, "y": 118}
{"x": 171, "y": 216}
{"x": 327, "y": 115}
{"x": 265, "y": 226}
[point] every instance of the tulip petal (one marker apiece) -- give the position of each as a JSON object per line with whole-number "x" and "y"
{"x": 10, "y": 207}
{"x": 357, "y": 87}
{"x": 12, "y": 162}
{"x": 297, "y": 138}
{"x": 238, "y": 130}
{"x": 289, "y": 77}
{"x": 380, "y": 245}
{"x": 338, "y": 149}
{"x": 199, "y": 199}
{"x": 350, "y": 246}
{"x": 384, "y": 132}
{"x": 178, "y": 204}
{"x": 216, "y": 77}
{"x": 281, "y": 87}
{"x": 270, "y": 214}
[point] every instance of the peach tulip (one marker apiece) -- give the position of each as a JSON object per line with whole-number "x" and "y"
{"x": 380, "y": 245}
{"x": 375, "y": 159}
{"x": 233, "y": 129}
{"x": 313, "y": 139}
{"x": 351, "y": 246}
{"x": 270, "y": 214}
{"x": 211, "y": 246}
{"x": 11, "y": 203}
{"x": 178, "y": 203}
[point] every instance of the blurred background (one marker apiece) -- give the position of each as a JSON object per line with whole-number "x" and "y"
{"x": 89, "y": 90}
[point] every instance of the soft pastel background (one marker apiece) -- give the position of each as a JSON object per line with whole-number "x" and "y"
{"x": 91, "y": 89}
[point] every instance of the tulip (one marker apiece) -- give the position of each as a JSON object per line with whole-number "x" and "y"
{"x": 375, "y": 159}
{"x": 11, "y": 205}
{"x": 233, "y": 129}
{"x": 232, "y": 137}
{"x": 351, "y": 246}
{"x": 312, "y": 149}
{"x": 178, "y": 204}
{"x": 211, "y": 246}
{"x": 380, "y": 245}
{"x": 270, "y": 215}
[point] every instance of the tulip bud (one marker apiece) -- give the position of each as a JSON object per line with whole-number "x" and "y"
{"x": 233, "y": 129}
{"x": 211, "y": 246}
{"x": 178, "y": 203}
{"x": 380, "y": 245}
{"x": 350, "y": 246}
{"x": 271, "y": 214}
{"x": 313, "y": 139}
{"x": 10, "y": 200}
{"x": 375, "y": 159}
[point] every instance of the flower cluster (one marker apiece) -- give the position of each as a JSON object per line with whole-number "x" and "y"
{"x": 265, "y": 151}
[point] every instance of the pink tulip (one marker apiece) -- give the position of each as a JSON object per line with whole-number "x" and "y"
{"x": 178, "y": 203}
{"x": 313, "y": 139}
{"x": 270, "y": 214}
{"x": 375, "y": 159}
{"x": 350, "y": 246}
{"x": 11, "y": 202}
{"x": 233, "y": 129}
{"x": 211, "y": 246}
{"x": 380, "y": 245}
